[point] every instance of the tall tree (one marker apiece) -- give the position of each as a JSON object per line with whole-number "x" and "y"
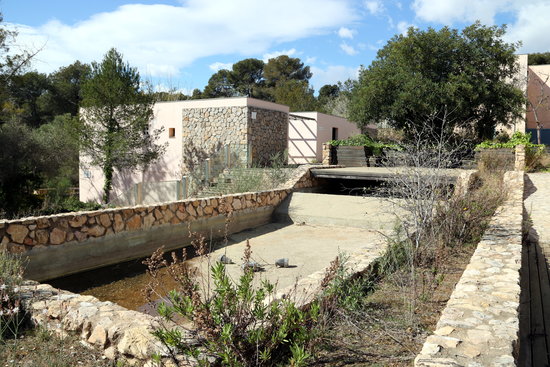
{"x": 296, "y": 94}
{"x": 541, "y": 58}
{"x": 284, "y": 68}
{"x": 115, "y": 120}
{"x": 462, "y": 74}
{"x": 247, "y": 77}
{"x": 65, "y": 91}
{"x": 220, "y": 85}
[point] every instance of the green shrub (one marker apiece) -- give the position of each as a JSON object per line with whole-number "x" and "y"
{"x": 234, "y": 323}
{"x": 363, "y": 140}
{"x": 518, "y": 138}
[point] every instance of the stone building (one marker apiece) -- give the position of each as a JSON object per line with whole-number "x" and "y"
{"x": 247, "y": 129}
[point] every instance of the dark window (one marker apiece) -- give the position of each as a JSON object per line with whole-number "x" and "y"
{"x": 334, "y": 133}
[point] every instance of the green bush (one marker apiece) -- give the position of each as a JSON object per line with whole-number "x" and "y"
{"x": 363, "y": 140}
{"x": 518, "y": 138}
{"x": 234, "y": 323}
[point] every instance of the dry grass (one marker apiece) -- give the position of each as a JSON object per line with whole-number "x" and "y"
{"x": 41, "y": 348}
{"x": 380, "y": 334}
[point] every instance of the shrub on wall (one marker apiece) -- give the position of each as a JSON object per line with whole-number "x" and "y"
{"x": 363, "y": 140}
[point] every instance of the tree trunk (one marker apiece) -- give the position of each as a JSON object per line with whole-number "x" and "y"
{"x": 108, "y": 184}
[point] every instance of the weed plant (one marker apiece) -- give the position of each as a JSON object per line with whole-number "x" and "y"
{"x": 11, "y": 312}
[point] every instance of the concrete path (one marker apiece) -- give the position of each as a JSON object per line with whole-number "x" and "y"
{"x": 340, "y": 210}
{"x": 535, "y": 303}
{"x": 309, "y": 249}
{"x": 537, "y": 206}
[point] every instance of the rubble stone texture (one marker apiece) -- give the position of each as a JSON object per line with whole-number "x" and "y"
{"x": 480, "y": 324}
{"x": 209, "y": 129}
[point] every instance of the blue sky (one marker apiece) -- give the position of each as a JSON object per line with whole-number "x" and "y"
{"x": 180, "y": 43}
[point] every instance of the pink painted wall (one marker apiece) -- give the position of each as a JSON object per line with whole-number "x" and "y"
{"x": 166, "y": 115}
{"x": 307, "y": 135}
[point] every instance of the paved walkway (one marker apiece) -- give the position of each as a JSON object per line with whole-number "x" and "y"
{"x": 535, "y": 315}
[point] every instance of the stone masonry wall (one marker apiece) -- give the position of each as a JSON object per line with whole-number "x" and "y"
{"x": 480, "y": 324}
{"x": 208, "y": 129}
{"x": 267, "y": 133}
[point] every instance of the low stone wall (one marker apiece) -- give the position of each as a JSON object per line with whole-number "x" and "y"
{"x": 67, "y": 243}
{"x": 480, "y": 324}
{"x": 119, "y": 333}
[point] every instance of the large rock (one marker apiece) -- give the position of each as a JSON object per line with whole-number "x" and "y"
{"x": 57, "y": 236}
{"x": 18, "y": 232}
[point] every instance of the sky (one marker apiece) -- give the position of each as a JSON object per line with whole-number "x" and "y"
{"x": 179, "y": 44}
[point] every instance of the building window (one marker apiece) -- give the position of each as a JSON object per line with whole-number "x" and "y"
{"x": 87, "y": 173}
{"x": 334, "y": 133}
{"x": 172, "y": 132}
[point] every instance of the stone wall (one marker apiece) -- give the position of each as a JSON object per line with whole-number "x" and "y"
{"x": 480, "y": 324}
{"x": 208, "y": 129}
{"x": 119, "y": 333}
{"x": 85, "y": 240}
{"x": 267, "y": 133}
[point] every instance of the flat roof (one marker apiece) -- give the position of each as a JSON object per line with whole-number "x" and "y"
{"x": 231, "y": 102}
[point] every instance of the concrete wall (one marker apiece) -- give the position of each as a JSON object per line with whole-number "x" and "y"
{"x": 520, "y": 81}
{"x": 307, "y": 135}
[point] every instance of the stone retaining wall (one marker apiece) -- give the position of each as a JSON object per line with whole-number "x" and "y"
{"x": 115, "y": 235}
{"x": 120, "y": 334}
{"x": 480, "y": 324}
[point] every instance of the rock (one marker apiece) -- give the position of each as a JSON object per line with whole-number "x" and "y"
{"x": 43, "y": 223}
{"x": 430, "y": 349}
{"x": 96, "y": 231}
{"x": 191, "y": 211}
{"x": 105, "y": 220}
{"x": 479, "y": 336}
{"x": 445, "y": 330}
{"x": 134, "y": 223}
{"x": 470, "y": 350}
{"x": 158, "y": 214}
{"x": 78, "y": 221}
{"x": 57, "y": 236}
{"x": 118, "y": 223}
{"x": 110, "y": 352}
{"x": 237, "y": 204}
{"x": 16, "y": 248}
{"x": 80, "y": 236}
{"x": 168, "y": 215}
{"x": 98, "y": 336}
{"x": 148, "y": 220}
{"x": 17, "y": 232}
{"x": 135, "y": 342}
{"x": 444, "y": 341}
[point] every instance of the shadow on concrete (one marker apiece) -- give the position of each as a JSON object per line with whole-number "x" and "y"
{"x": 534, "y": 319}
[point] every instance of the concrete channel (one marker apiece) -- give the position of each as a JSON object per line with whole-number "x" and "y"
{"x": 309, "y": 229}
